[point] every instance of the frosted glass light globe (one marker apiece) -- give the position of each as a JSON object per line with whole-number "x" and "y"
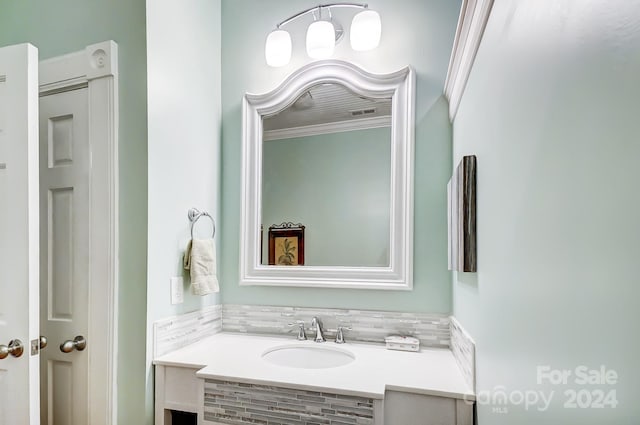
{"x": 277, "y": 49}
{"x": 366, "y": 30}
{"x": 321, "y": 39}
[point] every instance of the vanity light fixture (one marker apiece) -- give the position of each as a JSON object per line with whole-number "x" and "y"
{"x": 278, "y": 48}
{"x": 365, "y": 31}
{"x": 324, "y": 33}
{"x": 321, "y": 39}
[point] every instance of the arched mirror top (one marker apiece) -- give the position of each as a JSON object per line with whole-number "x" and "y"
{"x": 351, "y": 76}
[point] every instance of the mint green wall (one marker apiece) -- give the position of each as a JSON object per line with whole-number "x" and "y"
{"x": 551, "y": 111}
{"x": 183, "y": 61}
{"x": 66, "y": 26}
{"x": 415, "y": 32}
{"x": 338, "y": 185}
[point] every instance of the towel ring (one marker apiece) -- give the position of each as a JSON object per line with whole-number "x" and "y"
{"x": 194, "y": 215}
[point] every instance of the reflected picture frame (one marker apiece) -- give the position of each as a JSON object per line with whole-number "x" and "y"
{"x": 286, "y": 244}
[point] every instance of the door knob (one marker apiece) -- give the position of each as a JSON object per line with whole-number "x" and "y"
{"x": 43, "y": 342}
{"x": 78, "y": 343}
{"x": 15, "y": 348}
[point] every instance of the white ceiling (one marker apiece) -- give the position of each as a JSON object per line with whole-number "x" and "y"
{"x": 328, "y": 103}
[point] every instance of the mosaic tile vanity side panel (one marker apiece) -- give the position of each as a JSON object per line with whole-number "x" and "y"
{"x": 433, "y": 330}
{"x": 235, "y": 403}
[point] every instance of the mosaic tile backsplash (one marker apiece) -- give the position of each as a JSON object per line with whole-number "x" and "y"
{"x": 433, "y": 330}
{"x": 464, "y": 351}
{"x": 235, "y": 403}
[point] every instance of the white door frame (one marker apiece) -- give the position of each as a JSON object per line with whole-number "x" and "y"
{"x": 96, "y": 68}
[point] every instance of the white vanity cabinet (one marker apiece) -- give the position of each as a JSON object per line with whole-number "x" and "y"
{"x": 179, "y": 389}
{"x": 176, "y": 389}
{"x": 418, "y": 409}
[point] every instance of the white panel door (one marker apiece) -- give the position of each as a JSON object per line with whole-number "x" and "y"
{"x": 64, "y": 262}
{"x": 19, "y": 395}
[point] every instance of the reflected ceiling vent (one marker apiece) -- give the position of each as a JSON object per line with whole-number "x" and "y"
{"x": 362, "y": 112}
{"x": 3, "y": 78}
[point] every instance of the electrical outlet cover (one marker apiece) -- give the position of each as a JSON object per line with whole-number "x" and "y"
{"x": 177, "y": 290}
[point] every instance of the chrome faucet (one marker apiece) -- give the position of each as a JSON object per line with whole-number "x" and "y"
{"x": 317, "y": 324}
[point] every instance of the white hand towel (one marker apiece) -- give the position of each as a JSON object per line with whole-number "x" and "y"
{"x": 200, "y": 260}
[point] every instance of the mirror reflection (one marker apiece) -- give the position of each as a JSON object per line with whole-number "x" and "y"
{"x": 326, "y": 180}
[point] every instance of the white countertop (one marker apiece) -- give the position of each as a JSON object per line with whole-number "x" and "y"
{"x": 234, "y": 357}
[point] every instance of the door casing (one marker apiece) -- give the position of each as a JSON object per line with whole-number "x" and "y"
{"x": 96, "y": 67}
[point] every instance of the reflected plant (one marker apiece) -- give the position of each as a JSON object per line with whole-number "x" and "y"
{"x": 288, "y": 253}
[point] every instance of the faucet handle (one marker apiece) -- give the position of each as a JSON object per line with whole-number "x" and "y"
{"x": 340, "y": 333}
{"x": 302, "y": 336}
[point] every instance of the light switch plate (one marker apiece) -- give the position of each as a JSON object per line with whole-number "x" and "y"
{"x": 177, "y": 290}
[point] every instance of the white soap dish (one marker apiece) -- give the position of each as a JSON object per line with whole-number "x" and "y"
{"x": 402, "y": 343}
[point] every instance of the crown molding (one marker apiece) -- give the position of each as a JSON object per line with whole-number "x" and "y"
{"x": 474, "y": 15}
{"x": 328, "y": 128}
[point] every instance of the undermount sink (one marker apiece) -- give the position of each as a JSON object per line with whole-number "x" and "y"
{"x": 308, "y": 356}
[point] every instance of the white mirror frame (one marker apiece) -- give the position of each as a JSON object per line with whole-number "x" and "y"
{"x": 400, "y": 86}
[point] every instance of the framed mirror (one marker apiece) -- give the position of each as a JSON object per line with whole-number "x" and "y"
{"x": 331, "y": 150}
